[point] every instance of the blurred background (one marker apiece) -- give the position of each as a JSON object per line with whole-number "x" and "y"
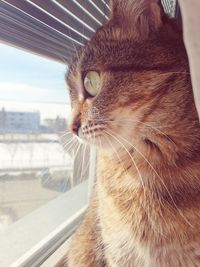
{"x": 37, "y": 154}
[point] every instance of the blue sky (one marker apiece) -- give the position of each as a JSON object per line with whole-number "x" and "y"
{"x": 28, "y": 77}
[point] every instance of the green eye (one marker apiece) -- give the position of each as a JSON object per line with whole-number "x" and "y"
{"x": 92, "y": 83}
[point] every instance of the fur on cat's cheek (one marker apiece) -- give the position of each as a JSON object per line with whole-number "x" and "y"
{"x": 88, "y": 102}
{"x": 80, "y": 98}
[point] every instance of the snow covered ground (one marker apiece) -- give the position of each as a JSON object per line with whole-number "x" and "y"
{"x": 33, "y": 170}
{"x": 32, "y": 155}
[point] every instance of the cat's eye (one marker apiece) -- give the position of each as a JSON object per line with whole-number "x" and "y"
{"x": 92, "y": 83}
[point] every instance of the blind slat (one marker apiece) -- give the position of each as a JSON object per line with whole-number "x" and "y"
{"x": 63, "y": 16}
{"x": 102, "y": 7}
{"x": 55, "y": 28}
{"x": 34, "y": 26}
{"x": 88, "y": 6}
{"x": 18, "y": 42}
{"x": 78, "y": 11}
{"x": 30, "y": 37}
{"x": 43, "y": 17}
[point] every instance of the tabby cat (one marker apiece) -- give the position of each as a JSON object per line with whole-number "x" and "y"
{"x": 131, "y": 95}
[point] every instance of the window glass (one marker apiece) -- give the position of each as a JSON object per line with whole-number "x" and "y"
{"x": 39, "y": 158}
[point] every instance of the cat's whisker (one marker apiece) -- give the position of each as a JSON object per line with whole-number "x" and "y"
{"x": 70, "y": 137}
{"x": 65, "y": 134}
{"x": 130, "y": 122}
{"x": 71, "y": 150}
{"x": 117, "y": 154}
{"x": 64, "y": 131}
{"x": 117, "y": 139}
{"x": 74, "y": 155}
{"x": 114, "y": 150}
{"x": 68, "y": 146}
{"x": 134, "y": 121}
{"x": 84, "y": 167}
{"x": 101, "y": 146}
{"x": 66, "y": 143}
{"x": 93, "y": 133}
{"x": 154, "y": 227}
{"x": 152, "y": 125}
{"x": 64, "y": 140}
{"x": 125, "y": 120}
{"x": 154, "y": 128}
{"x": 164, "y": 185}
{"x": 126, "y": 173}
{"x": 143, "y": 205}
{"x": 83, "y": 163}
{"x": 87, "y": 165}
{"x": 76, "y": 149}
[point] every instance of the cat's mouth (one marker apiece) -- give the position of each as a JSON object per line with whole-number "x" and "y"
{"x": 103, "y": 135}
{"x": 92, "y": 133}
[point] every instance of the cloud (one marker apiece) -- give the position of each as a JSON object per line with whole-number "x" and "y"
{"x": 20, "y": 91}
{"x": 25, "y": 92}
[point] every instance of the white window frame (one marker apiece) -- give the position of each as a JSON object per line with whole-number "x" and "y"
{"x": 32, "y": 239}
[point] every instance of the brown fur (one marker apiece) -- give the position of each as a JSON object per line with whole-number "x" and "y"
{"x": 146, "y": 207}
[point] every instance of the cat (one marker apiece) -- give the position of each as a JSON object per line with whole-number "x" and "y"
{"x": 131, "y": 96}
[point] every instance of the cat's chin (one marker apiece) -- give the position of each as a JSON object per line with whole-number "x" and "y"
{"x": 104, "y": 141}
{"x": 100, "y": 142}
{"x": 90, "y": 141}
{"x": 90, "y": 138}
{"x": 81, "y": 141}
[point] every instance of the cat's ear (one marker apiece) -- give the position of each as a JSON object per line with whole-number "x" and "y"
{"x": 139, "y": 16}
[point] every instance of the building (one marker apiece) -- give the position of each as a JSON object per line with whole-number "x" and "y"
{"x": 55, "y": 125}
{"x": 19, "y": 121}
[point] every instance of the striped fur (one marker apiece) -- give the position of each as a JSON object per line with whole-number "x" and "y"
{"x": 145, "y": 211}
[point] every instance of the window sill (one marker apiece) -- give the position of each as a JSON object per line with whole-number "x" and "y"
{"x": 31, "y": 240}
{"x": 57, "y": 256}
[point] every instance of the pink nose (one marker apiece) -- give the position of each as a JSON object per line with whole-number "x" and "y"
{"x": 75, "y": 123}
{"x": 75, "y": 127}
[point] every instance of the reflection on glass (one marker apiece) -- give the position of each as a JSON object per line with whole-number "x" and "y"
{"x": 39, "y": 158}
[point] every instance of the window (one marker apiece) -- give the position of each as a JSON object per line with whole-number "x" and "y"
{"x": 42, "y": 166}
{"x": 43, "y": 187}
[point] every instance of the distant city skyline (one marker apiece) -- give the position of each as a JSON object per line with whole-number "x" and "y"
{"x": 19, "y": 121}
{"x": 47, "y": 110}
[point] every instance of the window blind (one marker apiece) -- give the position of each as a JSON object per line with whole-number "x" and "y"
{"x": 55, "y": 28}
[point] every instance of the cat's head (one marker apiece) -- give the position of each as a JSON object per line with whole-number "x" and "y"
{"x": 131, "y": 78}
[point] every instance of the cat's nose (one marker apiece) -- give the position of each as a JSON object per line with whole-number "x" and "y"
{"x": 75, "y": 127}
{"x": 75, "y": 123}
